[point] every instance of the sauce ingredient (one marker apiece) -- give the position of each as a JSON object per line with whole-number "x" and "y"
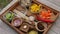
{"x": 45, "y": 14}
{"x": 9, "y": 16}
{"x": 40, "y": 26}
{"x": 33, "y": 32}
{"x": 17, "y": 22}
{"x": 35, "y": 8}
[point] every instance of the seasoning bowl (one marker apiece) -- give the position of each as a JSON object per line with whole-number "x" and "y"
{"x": 47, "y": 16}
{"x": 33, "y": 32}
{"x": 25, "y": 3}
{"x": 24, "y": 27}
{"x": 41, "y": 26}
{"x": 16, "y": 22}
{"x": 9, "y": 16}
{"x": 35, "y": 8}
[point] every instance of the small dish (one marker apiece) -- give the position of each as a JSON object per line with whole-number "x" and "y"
{"x": 9, "y": 16}
{"x": 24, "y": 27}
{"x": 41, "y": 26}
{"x": 35, "y": 8}
{"x": 33, "y": 32}
{"x": 25, "y": 3}
{"x": 16, "y": 22}
{"x": 47, "y": 16}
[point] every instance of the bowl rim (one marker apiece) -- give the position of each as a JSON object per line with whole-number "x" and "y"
{"x": 45, "y": 26}
{"x": 15, "y": 19}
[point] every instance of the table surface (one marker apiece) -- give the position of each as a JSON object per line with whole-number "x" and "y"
{"x": 55, "y": 29}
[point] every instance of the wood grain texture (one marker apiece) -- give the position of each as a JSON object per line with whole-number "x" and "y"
{"x": 5, "y": 29}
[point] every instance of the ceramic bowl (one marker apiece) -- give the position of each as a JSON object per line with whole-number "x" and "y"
{"x": 41, "y": 26}
{"x": 16, "y": 22}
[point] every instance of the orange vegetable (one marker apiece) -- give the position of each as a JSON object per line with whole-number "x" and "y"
{"x": 45, "y": 14}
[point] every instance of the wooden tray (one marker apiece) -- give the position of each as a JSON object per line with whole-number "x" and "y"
{"x": 16, "y": 8}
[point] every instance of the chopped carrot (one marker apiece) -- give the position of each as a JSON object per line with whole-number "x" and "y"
{"x": 45, "y": 14}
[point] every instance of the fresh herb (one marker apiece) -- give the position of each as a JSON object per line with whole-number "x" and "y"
{"x": 3, "y": 3}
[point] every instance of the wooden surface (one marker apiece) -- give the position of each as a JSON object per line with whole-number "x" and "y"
{"x": 5, "y": 29}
